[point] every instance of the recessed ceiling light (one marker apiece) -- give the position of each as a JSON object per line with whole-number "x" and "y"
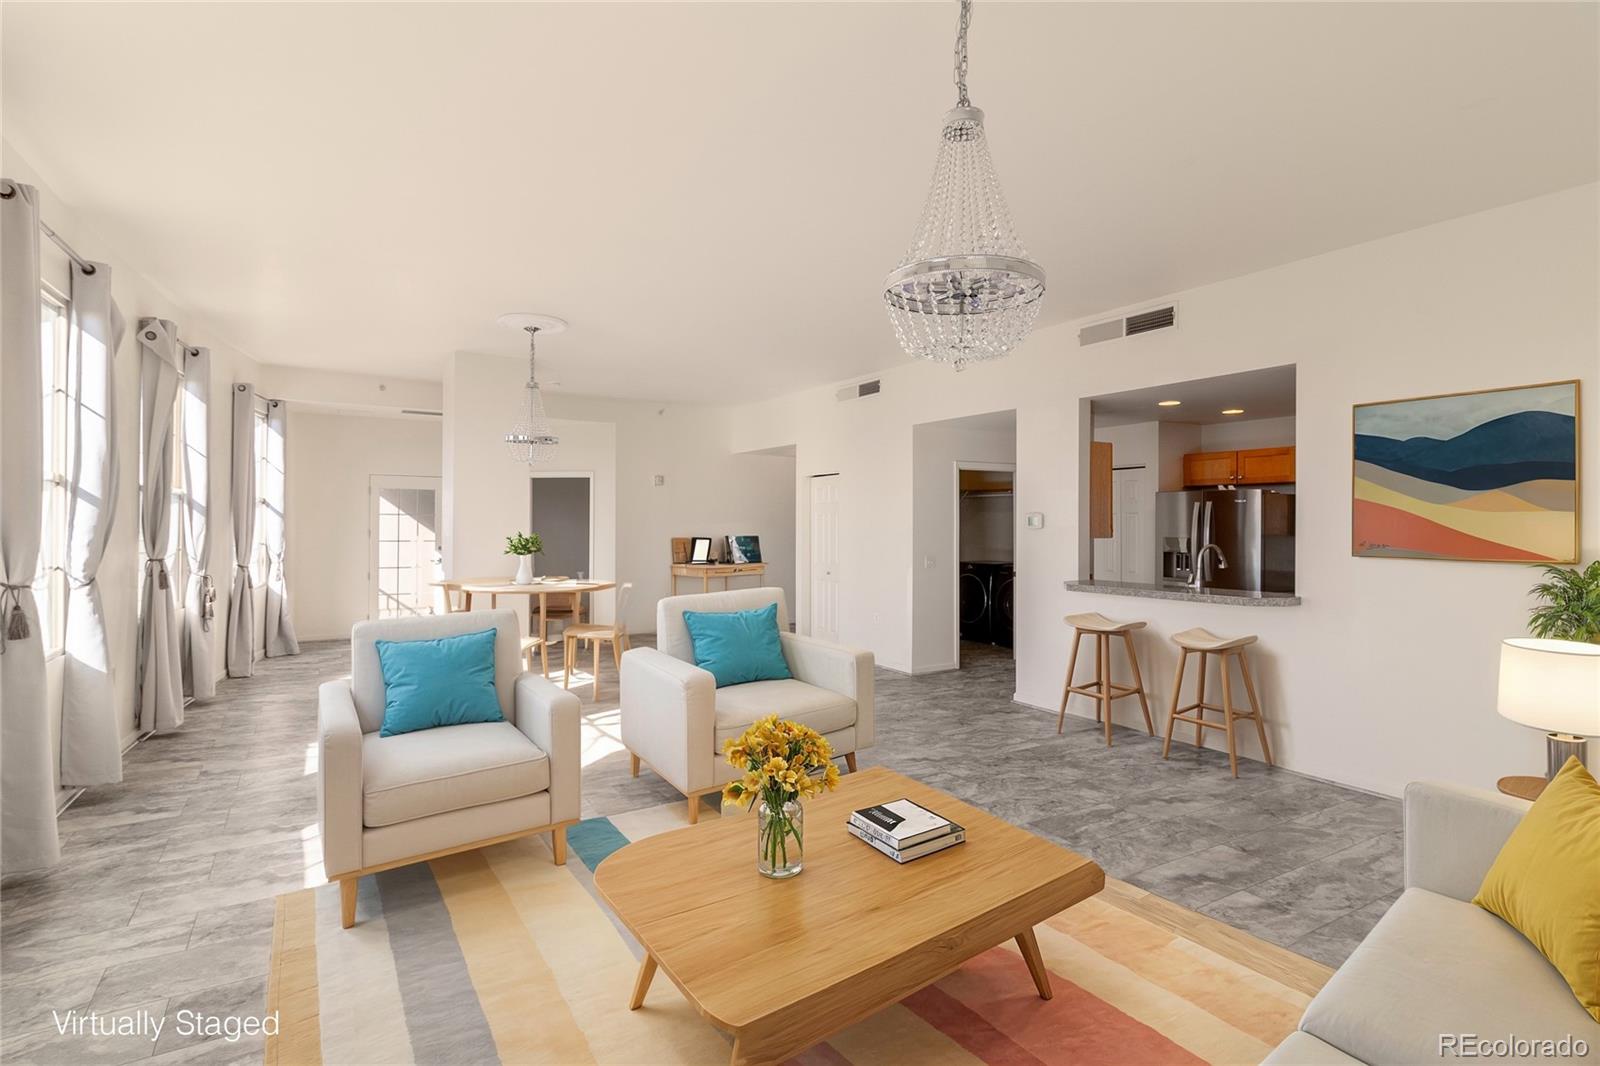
{"x": 1234, "y": 411}
{"x": 1168, "y": 403}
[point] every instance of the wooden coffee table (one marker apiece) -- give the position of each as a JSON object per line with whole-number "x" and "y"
{"x": 784, "y": 964}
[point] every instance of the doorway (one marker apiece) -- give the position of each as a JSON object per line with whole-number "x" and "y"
{"x": 985, "y": 553}
{"x": 403, "y": 546}
{"x": 561, "y": 511}
{"x": 825, "y": 557}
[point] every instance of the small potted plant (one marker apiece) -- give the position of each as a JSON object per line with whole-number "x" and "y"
{"x": 783, "y": 763}
{"x": 1570, "y": 604}
{"x": 524, "y": 546}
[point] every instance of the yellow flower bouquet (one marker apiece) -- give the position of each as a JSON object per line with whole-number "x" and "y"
{"x": 782, "y": 763}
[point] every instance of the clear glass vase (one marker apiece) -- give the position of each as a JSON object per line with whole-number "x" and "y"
{"x": 780, "y": 839}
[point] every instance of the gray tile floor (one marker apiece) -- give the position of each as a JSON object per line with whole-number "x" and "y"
{"x": 164, "y": 897}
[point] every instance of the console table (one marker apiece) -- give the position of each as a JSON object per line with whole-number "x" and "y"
{"x": 706, "y": 571}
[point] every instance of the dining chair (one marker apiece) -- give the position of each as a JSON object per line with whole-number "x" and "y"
{"x": 616, "y": 632}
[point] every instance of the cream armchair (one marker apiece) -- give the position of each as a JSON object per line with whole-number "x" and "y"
{"x": 392, "y": 801}
{"x": 675, "y": 719}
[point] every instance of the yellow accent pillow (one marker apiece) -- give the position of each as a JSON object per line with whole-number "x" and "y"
{"x": 1546, "y": 880}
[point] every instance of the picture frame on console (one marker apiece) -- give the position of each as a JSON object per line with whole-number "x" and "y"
{"x": 744, "y": 548}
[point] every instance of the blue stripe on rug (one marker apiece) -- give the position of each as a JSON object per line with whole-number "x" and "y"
{"x": 443, "y": 1015}
{"x": 593, "y": 839}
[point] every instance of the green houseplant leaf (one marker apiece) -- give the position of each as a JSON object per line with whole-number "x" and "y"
{"x": 1569, "y": 604}
{"x": 524, "y": 544}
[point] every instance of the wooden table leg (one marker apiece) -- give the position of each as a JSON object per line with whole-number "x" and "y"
{"x": 641, "y": 984}
{"x": 544, "y": 641}
{"x": 1030, "y": 954}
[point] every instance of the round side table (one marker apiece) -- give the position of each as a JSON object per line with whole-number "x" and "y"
{"x": 1522, "y": 786}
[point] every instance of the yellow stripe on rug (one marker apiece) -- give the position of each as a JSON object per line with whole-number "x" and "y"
{"x": 519, "y": 995}
{"x": 292, "y": 992}
{"x": 1185, "y": 1023}
{"x": 595, "y": 969}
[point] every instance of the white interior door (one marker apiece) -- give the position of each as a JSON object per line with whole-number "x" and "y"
{"x": 404, "y": 555}
{"x": 1128, "y": 502}
{"x": 825, "y": 557}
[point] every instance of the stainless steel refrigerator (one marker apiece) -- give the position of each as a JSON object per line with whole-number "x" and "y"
{"x": 1254, "y": 528}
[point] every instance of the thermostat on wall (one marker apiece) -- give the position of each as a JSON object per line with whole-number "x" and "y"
{"x": 1035, "y": 519}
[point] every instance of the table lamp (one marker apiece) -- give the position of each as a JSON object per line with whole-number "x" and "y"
{"x": 1552, "y": 685}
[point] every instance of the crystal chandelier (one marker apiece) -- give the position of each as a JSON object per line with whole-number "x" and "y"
{"x": 533, "y": 439}
{"x": 966, "y": 289}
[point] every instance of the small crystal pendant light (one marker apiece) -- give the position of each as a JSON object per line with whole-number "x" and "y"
{"x": 533, "y": 439}
{"x": 966, "y": 289}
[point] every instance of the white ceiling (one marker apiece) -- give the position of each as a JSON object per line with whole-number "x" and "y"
{"x": 711, "y": 194}
{"x": 1265, "y": 393}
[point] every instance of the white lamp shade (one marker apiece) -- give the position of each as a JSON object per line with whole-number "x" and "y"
{"x": 1551, "y": 684}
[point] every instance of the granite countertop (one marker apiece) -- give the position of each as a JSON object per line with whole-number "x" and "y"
{"x": 1228, "y": 597}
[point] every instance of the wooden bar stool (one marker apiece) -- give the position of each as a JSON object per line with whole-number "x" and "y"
{"x": 1102, "y": 689}
{"x": 1205, "y": 643}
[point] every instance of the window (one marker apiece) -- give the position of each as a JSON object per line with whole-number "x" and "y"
{"x": 265, "y": 469}
{"x": 50, "y": 583}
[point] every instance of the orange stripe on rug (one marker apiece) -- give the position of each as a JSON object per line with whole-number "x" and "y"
{"x": 519, "y": 995}
{"x": 1247, "y": 1001}
{"x": 292, "y": 983}
{"x": 1075, "y": 1026}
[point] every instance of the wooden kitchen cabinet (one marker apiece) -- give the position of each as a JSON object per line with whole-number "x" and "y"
{"x": 1210, "y": 468}
{"x": 1266, "y": 466}
{"x": 1254, "y": 466}
{"x": 1100, "y": 490}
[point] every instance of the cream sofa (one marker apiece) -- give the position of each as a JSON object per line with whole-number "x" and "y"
{"x": 675, "y": 719}
{"x": 1436, "y": 968}
{"x": 391, "y": 801}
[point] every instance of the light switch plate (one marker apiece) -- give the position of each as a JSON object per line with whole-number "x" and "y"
{"x": 1035, "y": 519}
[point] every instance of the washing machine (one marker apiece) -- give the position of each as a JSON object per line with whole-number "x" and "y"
{"x": 976, "y": 600}
{"x": 1001, "y": 583}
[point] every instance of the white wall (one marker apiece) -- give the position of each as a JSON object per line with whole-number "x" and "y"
{"x": 138, "y": 297}
{"x": 331, "y": 461}
{"x": 707, "y": 490}
{"x": 937, "y": 449}
{"x": 1255, "y": 433}
{"x": 1386, "y": 673}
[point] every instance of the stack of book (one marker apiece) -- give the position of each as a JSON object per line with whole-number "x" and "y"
{"x": 904, "y": 831}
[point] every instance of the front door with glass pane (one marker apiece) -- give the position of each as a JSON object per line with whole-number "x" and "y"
{"x": 405, "y": 559}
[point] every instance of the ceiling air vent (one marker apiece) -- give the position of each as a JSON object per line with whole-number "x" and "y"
{"x": 859, "y": 389}
{"x": 1143, "y": 322}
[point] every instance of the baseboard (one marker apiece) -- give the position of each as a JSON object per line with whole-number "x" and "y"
{"x": 936, "y": 668}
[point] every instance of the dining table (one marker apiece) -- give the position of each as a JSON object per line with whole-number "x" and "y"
{"x": 540, "y": 588}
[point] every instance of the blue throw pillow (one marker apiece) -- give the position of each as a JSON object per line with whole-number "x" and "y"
{"x": 738, "y": 646}
{"x": 428, "y": 683}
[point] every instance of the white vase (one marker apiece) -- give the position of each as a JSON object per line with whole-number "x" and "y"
{"x": 524, "y": 570}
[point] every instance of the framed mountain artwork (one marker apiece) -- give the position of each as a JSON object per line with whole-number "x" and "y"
{"x": 1487, "y": 476}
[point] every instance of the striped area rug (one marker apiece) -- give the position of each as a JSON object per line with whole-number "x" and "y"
{"x": 501, "y": 956}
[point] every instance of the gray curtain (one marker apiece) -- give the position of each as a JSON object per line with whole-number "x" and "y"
{"x": 91, "y": 736}
{"x": 160, "y": 667}
{"x": 241, "y": 614}
{"x": 280, "y": 627}
{"x": 28, "y": 839}
{"x": 200, "y": 598}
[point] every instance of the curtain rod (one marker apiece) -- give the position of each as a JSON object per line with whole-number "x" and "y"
{"x": 9, "y": 190}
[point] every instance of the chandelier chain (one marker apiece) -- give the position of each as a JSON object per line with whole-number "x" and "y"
{"x": 961, "y": 55}
{"x": 533, "y": 333}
